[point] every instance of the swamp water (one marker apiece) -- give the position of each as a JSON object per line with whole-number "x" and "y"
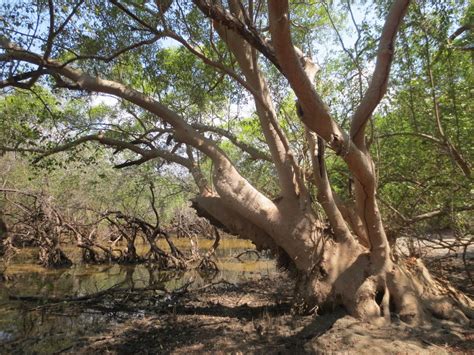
{"x": 33, "y": 327}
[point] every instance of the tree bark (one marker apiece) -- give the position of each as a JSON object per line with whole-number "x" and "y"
{"x": 348, "y": 264}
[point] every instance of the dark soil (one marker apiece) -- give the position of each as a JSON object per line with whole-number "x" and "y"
{"x": 256, "y": 317}
{"x": 252, "y": 317}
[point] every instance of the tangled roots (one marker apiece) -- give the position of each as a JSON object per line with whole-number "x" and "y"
{"x": 407, "y": 290}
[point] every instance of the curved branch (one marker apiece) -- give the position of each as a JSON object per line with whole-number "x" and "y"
{"x": 378, "y": 84}
{"x": 427, "y": 215}
{"x": 119, "y": 52}
{"x": 15, "y": 80}
{"x": 222, "y": 68}
{"x": 236, "y": 192}
{"x": 289, "y": 173}
{"x": 460, "y": 31}
{"x": 147, "y": 154}
{"x": 325, "y": 194}
{"x": 250, "y": 34}
{"x": 439, "y": 212}
{"x": 125, "y": 10}
{"x": 318, "y": 118}
{"x": 414, "y": 134}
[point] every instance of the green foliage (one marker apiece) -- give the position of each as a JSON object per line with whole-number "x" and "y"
{"x": 86, "y": 189}
{"x": 23, "y": 115}
{"x": 432, "y": 73}
{"x": 419, "y": 174}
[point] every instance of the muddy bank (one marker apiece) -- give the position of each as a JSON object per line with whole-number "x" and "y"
{"x": 252, "y": 317}
{"x": 246, "y": 308}
{"x": 256, "y": 317}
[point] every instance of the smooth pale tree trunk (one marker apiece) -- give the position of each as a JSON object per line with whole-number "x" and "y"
{"x": 331, "y": 273}
{"x": 347, "y": 261}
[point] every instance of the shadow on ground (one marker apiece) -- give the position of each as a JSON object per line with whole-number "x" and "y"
{"x": 249, "y": 320}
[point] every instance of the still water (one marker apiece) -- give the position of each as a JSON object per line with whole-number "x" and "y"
{"x": 30, "y": 327}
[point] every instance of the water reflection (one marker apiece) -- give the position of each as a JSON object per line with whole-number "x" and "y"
{"x": 61, "y": 324}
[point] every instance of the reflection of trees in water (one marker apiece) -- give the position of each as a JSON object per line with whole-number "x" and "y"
{"x": 128, "y": 280}
{"x": 114, "y": 289}
{"x": 147, "y": 275}
{"x": 39, "y": 222}
{"x": 38, "y": 283}
{"x": 157, "y": 276}
{"x": 86, "y": 280}
{"x": 208, "y": 275}
{"x": 46, "y": 327}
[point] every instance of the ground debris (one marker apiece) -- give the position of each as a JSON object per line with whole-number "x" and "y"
{"x": 252, "y": 317}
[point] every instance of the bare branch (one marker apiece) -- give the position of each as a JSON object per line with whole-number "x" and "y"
{"x": 378, "y": 84}
{"x": 325, "y": 195}
{"x": 427, "y": 215}
{"x": 318, "y": 118}
{"x": 460, "y": 31}
{"x": 51, "y": 31}
{"x": 439, "y": 212}
{"x": 444, "y": 143}
{"x": 132, "y": 163}
{"x": 133, "y": 16}
{"x": 218, "y": 65}
{"x": 147, "y": 154}
{"x": 119, "y": 52}
{"x": 250, "y": 34}
{"x": 69, "y": 17}
{"x": 15, "y": 80}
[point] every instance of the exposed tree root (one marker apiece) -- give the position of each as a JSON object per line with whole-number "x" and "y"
{"x": 415, "y": 290}
{"x": 407, "y": 290}
{"x": 346, "y": 276}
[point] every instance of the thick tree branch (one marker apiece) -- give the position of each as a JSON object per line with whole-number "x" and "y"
{"x": 16, "y": 80}
{"x": 236, "y": 191}
{"x": 250, "y": 34}
{"x": 349, "y": 213}
{"x": 438, "y": 212}
{"x": 325, "y": 195}
{"x": 378, "y": 84}
{"x": 201, "y": 181}
{"x": 460, "y": 31}
{"x": 277, "y": 142}
{"x": 252, "y": 87}
{"x": 316, "y": 114}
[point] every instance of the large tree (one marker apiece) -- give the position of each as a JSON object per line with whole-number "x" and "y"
{"x": 247, "y": 51}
